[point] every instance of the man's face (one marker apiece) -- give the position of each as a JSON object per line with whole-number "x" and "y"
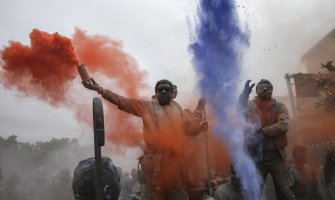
{"x": 264, "y": 91}
{"x": 164, "y": 93}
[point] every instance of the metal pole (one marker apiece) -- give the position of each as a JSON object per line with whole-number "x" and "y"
{"x": 290, "y": 94}
{"x": 99, "y": 140}
{"x": 294, "y": 107}
{"x": 210, "y": 191}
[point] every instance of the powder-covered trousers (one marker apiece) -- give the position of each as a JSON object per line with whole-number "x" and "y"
{"x": 278, "y": 168}
{"x": 162, "y": 174}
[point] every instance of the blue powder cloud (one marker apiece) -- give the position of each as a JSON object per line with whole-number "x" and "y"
{"x": 217, "y": 55}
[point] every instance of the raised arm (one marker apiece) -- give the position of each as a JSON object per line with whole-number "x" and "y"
{"x": 195, "y": 124}
{"x": 132, "y": 106}
{"x": 244, "y": 96}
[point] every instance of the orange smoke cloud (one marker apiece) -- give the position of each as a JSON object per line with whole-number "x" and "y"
{"x": 47, "y": 67}
{"x": 104, "y": 57}
{"x": 43, "y": 69}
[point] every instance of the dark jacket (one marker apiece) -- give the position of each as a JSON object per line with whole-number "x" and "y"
{"x": 272, "y": 117}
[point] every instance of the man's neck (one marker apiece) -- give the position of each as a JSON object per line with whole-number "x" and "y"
{"x": 263, "y": 101}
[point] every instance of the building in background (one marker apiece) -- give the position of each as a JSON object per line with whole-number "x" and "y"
{"x": 312, "y": 98}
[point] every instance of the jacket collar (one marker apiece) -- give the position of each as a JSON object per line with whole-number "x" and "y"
{"x": 264, "y": 105}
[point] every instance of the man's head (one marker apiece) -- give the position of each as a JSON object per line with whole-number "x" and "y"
{"x": 264, "y": 89}
{"x": 83, "y": 183}
{"x": 163, "y": 91}
{"x": 299, "y": 154}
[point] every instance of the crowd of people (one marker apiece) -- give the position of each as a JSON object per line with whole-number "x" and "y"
{"x": 266, "y": 127}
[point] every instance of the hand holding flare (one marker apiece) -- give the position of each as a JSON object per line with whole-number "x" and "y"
{"x": 88, "y": 82}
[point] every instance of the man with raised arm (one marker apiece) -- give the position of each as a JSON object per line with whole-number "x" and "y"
{"x": 270, "y": 119}
{"x": 165, "y": 128}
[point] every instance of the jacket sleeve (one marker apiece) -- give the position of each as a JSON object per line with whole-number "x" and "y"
{"x": 192, "y": 121}
{"x": 197, "y": 116}
{"x": 282, "y": 124}
{"x": 242, "y": 104}
{"x": 131, "y": 106}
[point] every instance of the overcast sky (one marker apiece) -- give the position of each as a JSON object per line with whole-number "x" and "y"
{"x": 157, "y": 34}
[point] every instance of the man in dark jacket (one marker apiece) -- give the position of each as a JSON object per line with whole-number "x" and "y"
{"x": 271, "y": 120}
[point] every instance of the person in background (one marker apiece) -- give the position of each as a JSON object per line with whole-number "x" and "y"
{"x": 326, "y": 174}
{"x": 230, "y": 190}
{"x": 83, "y": 183}
{"x": 304, "y": 177}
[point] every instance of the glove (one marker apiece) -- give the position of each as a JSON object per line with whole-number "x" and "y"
{"x": 248, "y": 88}
{"x": 92, "y": 85}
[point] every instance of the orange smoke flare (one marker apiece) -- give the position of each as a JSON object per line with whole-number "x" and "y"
{"x": 47, "y": 67}
{"x": 104, "y": 55}
{"x": 43, "y": 69}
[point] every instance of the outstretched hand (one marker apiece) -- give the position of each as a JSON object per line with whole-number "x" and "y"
{"x": 247, "y": 87}
{"x": 91, "y": 84}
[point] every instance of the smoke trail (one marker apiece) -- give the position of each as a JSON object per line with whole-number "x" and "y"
{"x": 43, "y": 69}
{"x": 217, "y": 54}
